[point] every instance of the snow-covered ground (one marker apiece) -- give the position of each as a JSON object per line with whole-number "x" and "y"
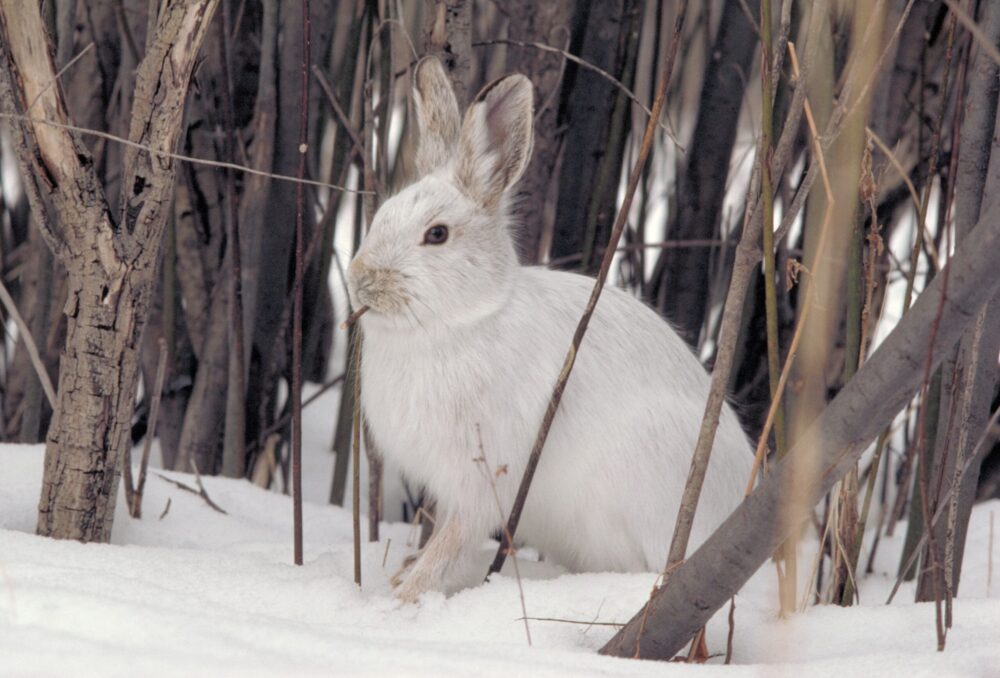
{"x": 200, "y": 593}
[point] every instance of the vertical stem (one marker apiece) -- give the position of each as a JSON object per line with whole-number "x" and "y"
{"x": 296, "y": 393}
{"x": 234, "y": 441}
{"x": 787, "y": 584}
{"x": 356, "y": 460}
{"x": 135, "y": 504}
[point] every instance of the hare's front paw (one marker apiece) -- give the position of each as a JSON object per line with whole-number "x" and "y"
{"x": 411, "y": 581}
{"x": 400, "y": 576}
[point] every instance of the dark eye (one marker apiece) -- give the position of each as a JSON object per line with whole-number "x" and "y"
{"x": 436, "y": 235}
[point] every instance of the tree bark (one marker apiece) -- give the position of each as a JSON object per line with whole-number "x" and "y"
{"x": 880, "y": 389}
{"x": 111, "y": 263}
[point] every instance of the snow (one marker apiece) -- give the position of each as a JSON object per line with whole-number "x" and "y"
{"x": 201, "y": 593}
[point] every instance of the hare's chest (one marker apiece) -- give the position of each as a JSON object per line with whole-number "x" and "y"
{"x": 423, "y": 399}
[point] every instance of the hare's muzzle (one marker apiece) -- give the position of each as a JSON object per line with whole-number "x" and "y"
{"x": 379, "y": 288}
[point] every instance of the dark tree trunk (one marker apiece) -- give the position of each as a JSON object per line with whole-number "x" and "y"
{"x": 548, "y": 23}
{"x": 680, "y": 281}
{"x": 596, "y": 118}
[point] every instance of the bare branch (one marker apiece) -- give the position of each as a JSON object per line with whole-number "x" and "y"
{"x": 866, "y": 405}
{"x": 178, "y": 156}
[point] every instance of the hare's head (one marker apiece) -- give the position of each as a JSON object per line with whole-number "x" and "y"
{"x": 441, "y": 251}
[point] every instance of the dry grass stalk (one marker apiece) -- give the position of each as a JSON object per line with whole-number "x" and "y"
{"x": 808, "y": 295}
{"x": 491, "y": 475}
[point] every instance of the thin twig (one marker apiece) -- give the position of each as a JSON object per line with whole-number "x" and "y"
{"x": 787, "y": 583}
{"x": 296, "y": 387}
{"x": 342, "y": 117}
{"x": 285, "y": 418}
{"x": 29, "y": 344}
{"x": 989, "y": 560}
{"x": 970, "y": 24}
{"x": 491, "y": 475}
{"x": 732, "y": 629}
{"x": 353, "y": 318}
{"x": 651, "y": 114}
{"x": 59, "y": 74}
{"x": 356, "y": 457}
{"x": 581, "y": 622}
{"x": 984, "y": 440}
{"x": 187, "y": 488}
{"x": 894, "y": 161}
{"x": 595, "y": 295}
{"x": 661, "y": 245}
{"x": 135, "y": 508}
{"x": 202, "y": 491}
{"x": 160, "y": 153}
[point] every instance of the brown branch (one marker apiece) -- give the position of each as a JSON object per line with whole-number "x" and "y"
{"x": 581, "y": 328}
{"x": 296, "y": 387}
{"x": 201, "y": 492}
{"x": 862, "y": 409}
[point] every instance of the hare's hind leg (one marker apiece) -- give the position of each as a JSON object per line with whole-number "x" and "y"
{"x": 428, "y": 569}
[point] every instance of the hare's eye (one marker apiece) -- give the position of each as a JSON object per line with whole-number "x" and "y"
{"x": 436, "y": 235}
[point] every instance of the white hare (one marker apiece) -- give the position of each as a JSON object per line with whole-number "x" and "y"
{"x": 462, "y": 347}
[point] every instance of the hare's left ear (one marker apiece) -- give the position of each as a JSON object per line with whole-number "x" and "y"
{"x": 497, "y": 135}
{"x": 437, "y": 115}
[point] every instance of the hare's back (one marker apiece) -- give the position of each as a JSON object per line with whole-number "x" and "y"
{"x": 630, "y": 417}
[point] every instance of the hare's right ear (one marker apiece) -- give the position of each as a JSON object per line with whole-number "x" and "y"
{"x": 437, "y": 115}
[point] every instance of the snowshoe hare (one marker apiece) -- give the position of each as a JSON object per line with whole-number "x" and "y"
{"x": 462, "y": 347}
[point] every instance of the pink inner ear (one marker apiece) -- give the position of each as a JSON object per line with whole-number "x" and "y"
{"x": 498, "y": 114}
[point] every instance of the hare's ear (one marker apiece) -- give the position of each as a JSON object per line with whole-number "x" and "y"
{"x": 497, "y": 135}
{"x": 437, "y": 115}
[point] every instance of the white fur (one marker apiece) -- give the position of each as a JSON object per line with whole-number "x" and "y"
{"x": 462, "y": 347}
